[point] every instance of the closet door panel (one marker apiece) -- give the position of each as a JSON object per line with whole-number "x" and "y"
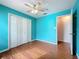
{"x": 19, "y": 29}
{"x": 24, "y": 31}
{"x": 28, "y": 30}
{"x": 13, "y": 31}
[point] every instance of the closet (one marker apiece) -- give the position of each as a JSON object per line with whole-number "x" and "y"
{"x": 19, "y": 30}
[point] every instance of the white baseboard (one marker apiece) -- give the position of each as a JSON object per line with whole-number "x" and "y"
{"x": 77, "y": 56}
{"x": 51, "y": 43}
{"x": 32, "y": 41}
{"x": 4, "y": 50}
{"x": 47, "y": 41}
{"x": 10, "y": 48}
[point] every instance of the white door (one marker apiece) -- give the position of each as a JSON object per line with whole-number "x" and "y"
{"x": 29, "y": 30}
{"x": 20, "y": 30}
{"x": 68, "y": 30}
{"x": 13, "y": 31}
{"x": 24, "y": 31}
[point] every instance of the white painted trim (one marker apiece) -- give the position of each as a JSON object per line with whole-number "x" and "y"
{"x": 61, "y": 16}
{"x": 30, "y": 41}
{"x": 8, "y": 31}
{"x": 4, "y": 50}
{"x": 9, "y": 48}
{"x": 46, "y": 41}
{"x": 57, "y": 22}
{"x": 72, "y": 30}
{"x": 56, "y": 30}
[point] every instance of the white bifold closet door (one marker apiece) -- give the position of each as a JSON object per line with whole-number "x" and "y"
{"x": 13, "y": 31}
{"x": 24, "y": 31}
{"x": 20, "y": 30}
{"x": 29, "y": 30}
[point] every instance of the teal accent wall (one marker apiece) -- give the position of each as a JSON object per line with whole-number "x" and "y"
{"x": 77, "y": 6}
{"x": 43, "y": 28}
{"x": 46, "y": 27}
{"x": 3, "y": 29}
{"x": 4, "y": 25}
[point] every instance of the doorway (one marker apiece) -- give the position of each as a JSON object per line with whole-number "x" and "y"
{"x": 64, "y": 29}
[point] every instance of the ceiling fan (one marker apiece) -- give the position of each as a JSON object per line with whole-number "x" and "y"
{"x": 36, "y": 8}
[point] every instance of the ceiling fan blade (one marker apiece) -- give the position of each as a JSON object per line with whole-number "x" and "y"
{"x": 45, "y": 13}
{"x": 43, "y": 10}
{"x": 29, "y": 5}
{"x": 38, "y": 5}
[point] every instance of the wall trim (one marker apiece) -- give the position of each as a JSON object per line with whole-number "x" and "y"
{"x": 8, "y": 31}
{"x": 11, "y": 48}
{"x": 4, "y": 50}
{"x": 57, "y": 23}
{"x": 46, "y": 41}
{"x": 57, "y": 20}
{"x": 56, "y": 26}
{"x": 31, "y": 40}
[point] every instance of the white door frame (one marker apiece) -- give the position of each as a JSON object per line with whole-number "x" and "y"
{"x": 57, "y": 26}
{"x": 57, "y": 22}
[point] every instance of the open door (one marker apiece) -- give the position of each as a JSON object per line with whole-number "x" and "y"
{"x": 64, "y": 28}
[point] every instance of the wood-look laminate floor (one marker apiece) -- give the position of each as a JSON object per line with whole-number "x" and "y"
{"x": 39, "y": 50}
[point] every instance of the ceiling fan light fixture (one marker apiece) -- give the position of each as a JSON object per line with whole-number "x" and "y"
{"x": 34, "y": 11}
{"x": 36, "y": 8}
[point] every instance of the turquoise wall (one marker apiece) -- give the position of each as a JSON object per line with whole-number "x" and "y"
{"x": 77, "y": 6}
{"x": 43, "y": 28}
{"x": 4, "y": 25}
{"x": 46, "y": 27}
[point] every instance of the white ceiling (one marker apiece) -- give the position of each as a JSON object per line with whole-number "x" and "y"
{"x": 52, "y": 5}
